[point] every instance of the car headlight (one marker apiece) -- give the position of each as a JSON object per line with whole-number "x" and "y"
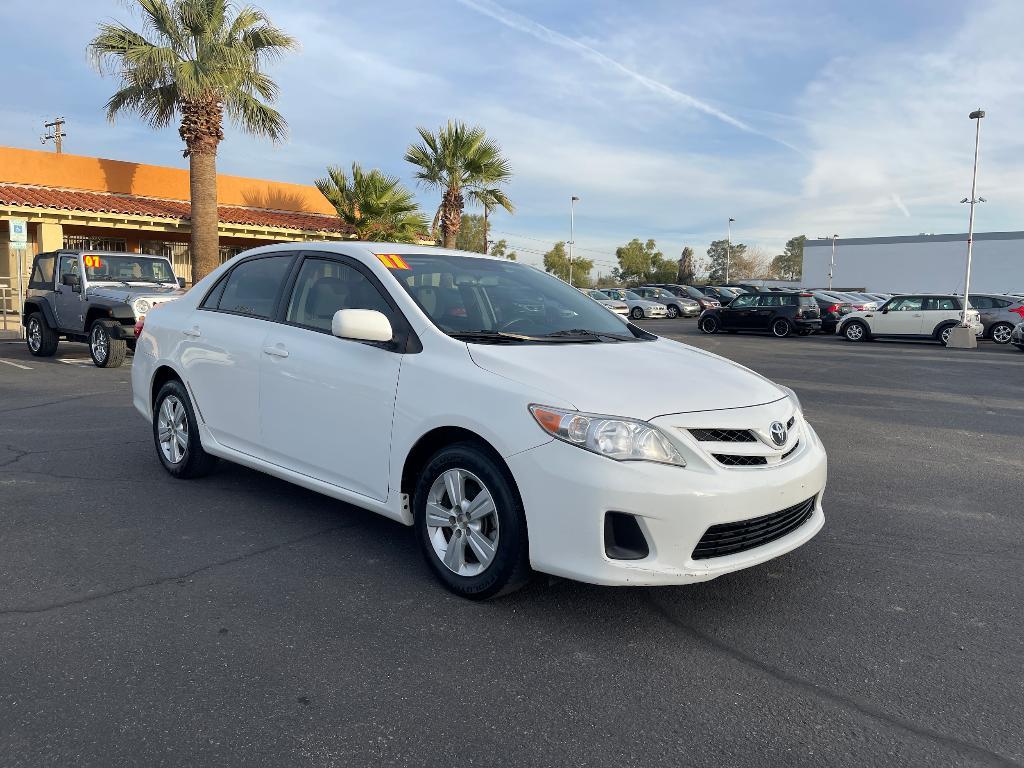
{"x": 793, "y": 398}
{"x": 616, "y": 438}
{"x": 140, "y": 307}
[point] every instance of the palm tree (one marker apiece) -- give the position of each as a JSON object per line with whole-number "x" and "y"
{"x": 456, "y": 159}
{"x": 489, "y": 198}
{"x": 375, "y": 205}
{"x": 196, "y": 59}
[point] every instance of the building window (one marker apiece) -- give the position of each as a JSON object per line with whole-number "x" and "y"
{"x": 229, "y": 252}
{"x": 178, "y": 254}
{"x": 87, "y": 243}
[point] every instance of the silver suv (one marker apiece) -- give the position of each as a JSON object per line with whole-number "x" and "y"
{"x": 94, "y": 297}
{"x": 999, "y": 314}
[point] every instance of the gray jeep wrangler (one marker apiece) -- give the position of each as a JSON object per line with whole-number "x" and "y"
{"x": 94, "y": 297}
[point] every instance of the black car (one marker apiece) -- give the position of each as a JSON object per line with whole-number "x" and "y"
{"x": 720, "y": 292}
{"x": 832, "y": 310}
{"x": 777, "y": 313}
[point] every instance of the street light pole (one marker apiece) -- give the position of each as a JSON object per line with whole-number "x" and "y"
{"x": 963, "y": 337}
{"x": 728, "y": 251}
{"x": 572, "y": 231}
{"x": 832, "y": 264}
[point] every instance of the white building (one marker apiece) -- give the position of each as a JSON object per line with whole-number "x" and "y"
{"x": 918, "y": 264}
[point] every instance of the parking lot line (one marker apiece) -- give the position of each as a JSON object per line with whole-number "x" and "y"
{"x": 16, "y": 365}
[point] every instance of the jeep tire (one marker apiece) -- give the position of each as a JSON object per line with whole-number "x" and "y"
{"x": 41, "y": 339}
{"x": 105, "y": 350}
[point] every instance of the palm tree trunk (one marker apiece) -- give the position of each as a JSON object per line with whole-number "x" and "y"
{"x": 451, "y": 216}
{"x": 484, "y": 251}
{"x": 203, "y": 188}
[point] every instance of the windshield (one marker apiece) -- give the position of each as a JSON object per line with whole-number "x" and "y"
{"x": 694, "y": 293}
{"x": 130, "y": 267}
{"x": 490, "y": 301}
{"x": 633, "y": 296}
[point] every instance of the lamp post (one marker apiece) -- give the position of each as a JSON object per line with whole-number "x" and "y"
{"x": 963, "y": 337}
{"x": 572, "y": 231}
{"x": 728, "y": 250}
{"x": 832, "y": 263}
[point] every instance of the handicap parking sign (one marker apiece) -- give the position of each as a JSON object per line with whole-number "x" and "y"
{"x": 19, "y": 231}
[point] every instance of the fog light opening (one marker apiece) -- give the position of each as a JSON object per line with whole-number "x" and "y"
{"x": 623, "y": 538}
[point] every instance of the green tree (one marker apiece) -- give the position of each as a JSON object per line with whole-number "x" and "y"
{"x": 556, "y": 261}
{"x": 455, "y": 160}
{"x": 472, "y": 233}
{"x": 789, "y": 265}
{"x": 196, "y": 60}
{"x": 374, "y": 204}
{"x": 687, "y": 273}
{"x": 500, "y": 249}
{"x": 489, "y": 198}
{"x": 717, "y": 271}
{"x": 643, "y": 263}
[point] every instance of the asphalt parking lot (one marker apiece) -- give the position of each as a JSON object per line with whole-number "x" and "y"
{"x": 241, "y": 620}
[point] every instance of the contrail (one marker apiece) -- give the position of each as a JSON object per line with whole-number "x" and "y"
{"x": 546, "y": 34}
{"x": 899, "y": 204}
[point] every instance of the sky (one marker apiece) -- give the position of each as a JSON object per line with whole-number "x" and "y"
{"x": 665, "y": 117}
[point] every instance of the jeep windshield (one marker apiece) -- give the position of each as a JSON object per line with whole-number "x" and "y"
{"x": 128, "y": 268}
{"x": 492, "y": 301}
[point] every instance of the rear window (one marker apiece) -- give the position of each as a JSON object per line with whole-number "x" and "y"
{"x": 807, "y": 301}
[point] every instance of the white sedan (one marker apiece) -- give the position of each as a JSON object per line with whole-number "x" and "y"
{"x": 606, "y": 301}
{"x": 639, "y": 307}
{"x": 419, "y": 383}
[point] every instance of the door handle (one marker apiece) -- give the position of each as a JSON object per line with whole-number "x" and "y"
{"x": 275, "y": 351}
{"x": 193, "y": 331}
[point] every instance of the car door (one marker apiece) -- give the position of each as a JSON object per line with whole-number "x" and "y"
{"x": 68, "y": 302}
{"x": 222, "y": 348}
{"x": 764, "y": 311}
{"x": 327, "y": 403}
{"x": 902, "y": 316}
{"x": 937, "y": 309}
{"x": 737, "y": 316}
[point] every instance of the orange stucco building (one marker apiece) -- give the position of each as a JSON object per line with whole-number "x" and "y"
{"x": 74, "y": 201}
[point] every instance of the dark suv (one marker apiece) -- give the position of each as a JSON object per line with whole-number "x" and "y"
{"x": 778, "y": 313}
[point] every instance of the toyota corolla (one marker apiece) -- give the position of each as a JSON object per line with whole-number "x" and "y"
{"x": 416, "y": 382}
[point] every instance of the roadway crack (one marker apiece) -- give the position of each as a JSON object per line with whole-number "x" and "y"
{"x": 848, "y": 703}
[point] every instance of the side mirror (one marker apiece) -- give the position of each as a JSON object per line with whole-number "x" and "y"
{"x": 361, "y": 325}
{"x": 71, "y": 280}
{"x": 885, "y": 311}
{"x": 181, "y": 282}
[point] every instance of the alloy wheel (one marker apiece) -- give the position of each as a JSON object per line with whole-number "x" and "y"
{"x": 946, "y": 333}
{"x": 854, "y": 332}
{"x": 780, "y": 328}
{"x": 462, "y": 522}
{"x": 1001, "y": 334}
{"x": 673, "y": 312}
{"x": 100, "y": 347}
{"x": 35, "y": 334}
{"x": 172, "y": 429}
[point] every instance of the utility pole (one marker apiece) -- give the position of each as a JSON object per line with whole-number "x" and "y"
{"x": 963, "y": 337}
{"x": 56, "y": 134}
{"x": 832, "y": 263}
{"x": 572, "y": 231}
{"x": 728, "y": 251}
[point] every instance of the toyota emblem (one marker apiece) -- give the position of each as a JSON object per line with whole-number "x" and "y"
{"x": 778, "y": 432}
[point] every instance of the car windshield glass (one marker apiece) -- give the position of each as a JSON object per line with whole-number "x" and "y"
{"x": 634, "y": 296}
{"x": 129, "y": 268}
{"x": 479, "y": 298}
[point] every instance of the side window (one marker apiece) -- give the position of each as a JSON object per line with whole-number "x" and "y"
{"x": 769, "y": 300}
{"x": 906, "y": 304}
{"x": 788, "y": 301}
{"x": 252, "y": 287}
{"x": 940, "y": 303}
{"x": 983, "y": 302}
{"x": 68, "y": 266}
{"x": 997, "y": 303}
{"x": 742, "y": 301}
{"x": 42, "y": 273}
{"x": 323, "y": 287}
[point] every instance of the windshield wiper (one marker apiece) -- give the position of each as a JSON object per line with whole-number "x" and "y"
{"x": 489, "y": 336}
{"x": 582, "y": 334}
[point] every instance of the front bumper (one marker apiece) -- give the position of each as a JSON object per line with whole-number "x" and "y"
{"x": 567, "y": 491}
{"x": 691, "y": 311}
{"x": 655, "y": 312}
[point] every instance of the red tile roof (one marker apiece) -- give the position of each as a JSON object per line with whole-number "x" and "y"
{"x": 76, "y": 200}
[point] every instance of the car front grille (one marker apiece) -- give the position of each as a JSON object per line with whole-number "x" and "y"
{"x": 736, "y": 460}
{"x": 730, "y": 538}
{"x": 724, "y": 435}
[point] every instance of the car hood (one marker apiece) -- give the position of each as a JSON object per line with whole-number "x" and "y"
{"x": 130, "y": 293}
{"x": 639, "y": 380}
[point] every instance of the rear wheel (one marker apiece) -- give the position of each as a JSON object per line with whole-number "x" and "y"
{"x": 637, "y": 313}
{"x": 781, "y": 328}
{"x": 40, "y": 337}
{"x": 105, "y": 350}
{"x": 855, "y": 331}
{"x": 673, "y": 311}
{"x": 470, "y": 523}
{"x": 1000, "y": 333}
{"x": 945, "y": 333}
{"x": 176, "y": 434}
{"x": 710, "y": 324}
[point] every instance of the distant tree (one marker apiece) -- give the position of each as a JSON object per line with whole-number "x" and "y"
{"x": 489, "y": 198}
{"x": 471, "y": 234}
{"x": 375, "y": 205}
{"x": 643, "y": 263}
{"x": 500, "y": 249}
{"x": 789, "y": 264}
{"x": 717, "y": 256}
{"x": 556, "y": 261}
{"x": 686, "y": 273}
{"x": 751, "y": 264}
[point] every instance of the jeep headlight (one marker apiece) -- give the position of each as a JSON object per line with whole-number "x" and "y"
{"x": 617, "y": 438}
{"x": 140, "y": 307}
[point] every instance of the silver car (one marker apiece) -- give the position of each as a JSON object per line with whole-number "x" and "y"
{"x": 612, "y": 305}
{"x": 1017, "y": 337}
{"x": 999, "y": 314}
{"x": 639, "y": 307}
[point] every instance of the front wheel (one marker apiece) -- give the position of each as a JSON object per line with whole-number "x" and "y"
{"x": 781, "y": 328}
{"x": 855, "y": 332}
{"x": 709, "y": 325}
{"x": 105, "y": 350}
{"x": 40, "y": 337}
{"x": 176, "y": 434}
{"x": 945, "y": 333}
{"x": 470, "y": 523}
{"x": 637, "y": 313}
{"x": 673, "y": 311}
{"x": 1001, "y": 332}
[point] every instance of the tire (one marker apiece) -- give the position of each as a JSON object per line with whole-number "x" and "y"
{"x": 636, "y": 313}
{"x": 183, "y": 458}
{"x": 710, "y": 325}
{"x": 105, "y": 350}
{"x": 491, "y": 555}
{"x": 1000, "y": 333}
{"x": 40, "y": 337}
{"x": 942, "y": 334}
{"x": 781, "y": 328}
{"x": 673, "y": 311}
{"x": 855, "y": 331}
